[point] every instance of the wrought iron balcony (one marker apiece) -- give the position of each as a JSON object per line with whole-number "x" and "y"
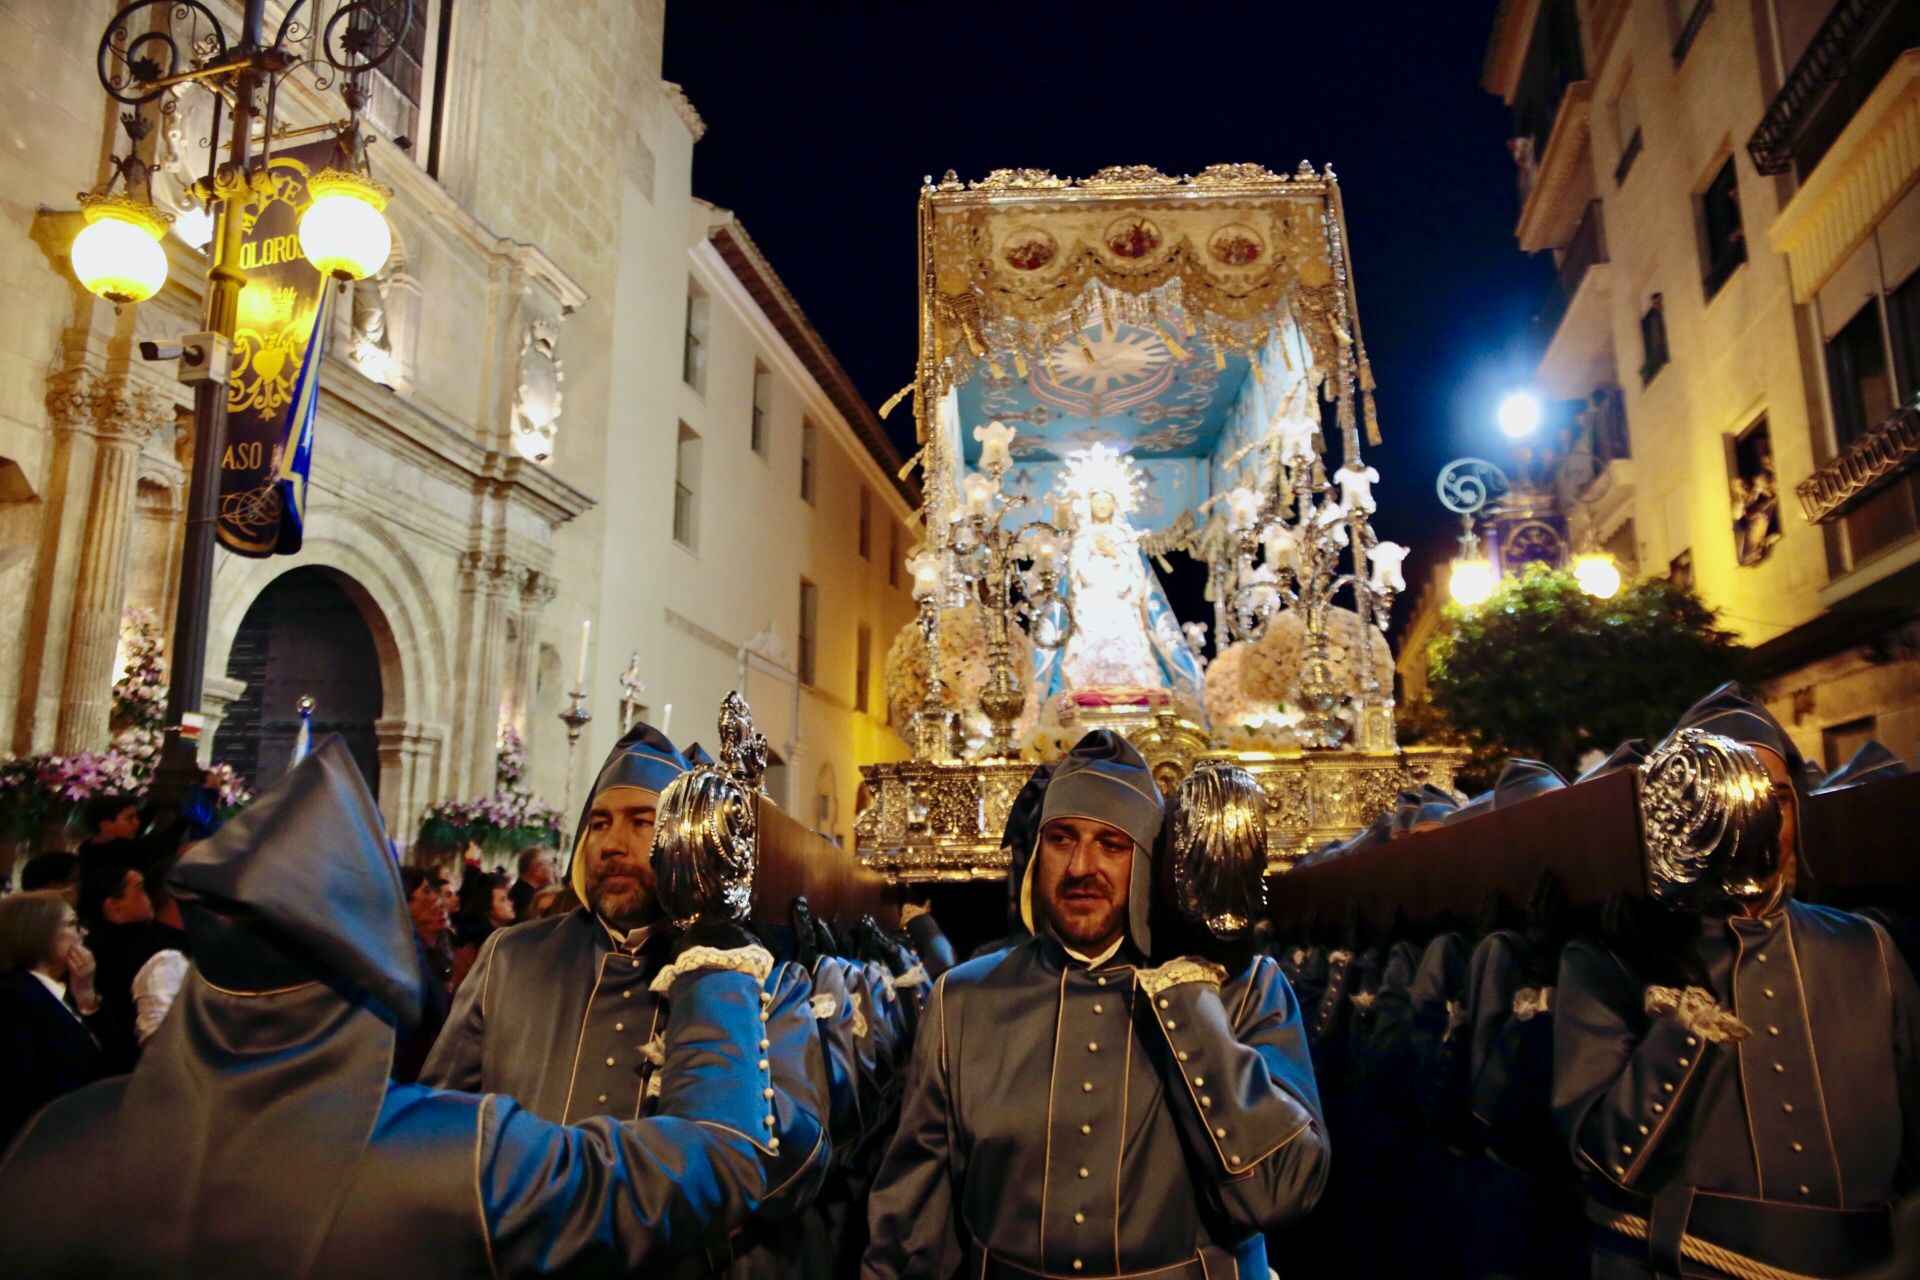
{"x": 1866, "y": 466}
{"x": 1844, "y": 60}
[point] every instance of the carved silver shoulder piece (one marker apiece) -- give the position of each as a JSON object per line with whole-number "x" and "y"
{"x": 706, "y": 839}
{"x": 1219, "y": 849}
{"x": 1709, "y": 820}
{"x": 743, "y": 749}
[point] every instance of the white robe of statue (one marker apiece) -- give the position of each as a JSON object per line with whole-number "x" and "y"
{"x": 1110, "y": 646}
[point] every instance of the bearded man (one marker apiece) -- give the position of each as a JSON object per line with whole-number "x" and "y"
{"x": 1072, "y": 1111}
{"x": 564, "y": 1014}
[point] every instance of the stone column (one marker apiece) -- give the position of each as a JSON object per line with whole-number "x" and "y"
{"x": 125, "y": 415}
{"x": 487, "y": 580}
{"x": 535, "y": 596}
{"x": 217, "y": 696}
{"x": 409, "y": 760}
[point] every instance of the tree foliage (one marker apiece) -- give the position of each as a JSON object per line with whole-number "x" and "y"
{"x": 1544, "y": 670}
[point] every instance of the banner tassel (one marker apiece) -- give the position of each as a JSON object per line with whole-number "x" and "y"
{"x": 896, "y": 398}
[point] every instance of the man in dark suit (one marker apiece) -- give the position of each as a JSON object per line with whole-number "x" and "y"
{"x": 51, "y": 1019}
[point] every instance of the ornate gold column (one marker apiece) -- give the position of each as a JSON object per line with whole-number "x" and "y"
{"x": 123, "y": 414}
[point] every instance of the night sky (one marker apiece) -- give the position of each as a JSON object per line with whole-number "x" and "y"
{"x": 823, "y": 118}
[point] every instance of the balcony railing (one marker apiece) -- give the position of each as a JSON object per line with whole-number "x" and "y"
{"x": 1691, "y": 29}
{"x": 1844, "y": 60}
{"x": 1867, "y": 465}
{"x": 1585, "y": 249}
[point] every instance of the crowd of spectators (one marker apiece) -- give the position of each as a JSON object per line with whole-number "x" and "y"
{"x": 92, "y": 951}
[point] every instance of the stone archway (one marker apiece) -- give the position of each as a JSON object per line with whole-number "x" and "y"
{"x": 308, "y": 634}
{"x": 396, "y": 598}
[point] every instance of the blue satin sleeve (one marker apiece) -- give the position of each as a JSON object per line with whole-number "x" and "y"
{"x": 606, "y": 1197}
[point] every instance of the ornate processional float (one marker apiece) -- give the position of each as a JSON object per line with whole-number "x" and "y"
{"x": 1116, "y": 372}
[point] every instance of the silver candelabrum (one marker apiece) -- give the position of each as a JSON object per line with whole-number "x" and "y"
{"x": 575, "y": 716}
{"x": 1014, "y": 576}
{"x": 1295, "y": 543}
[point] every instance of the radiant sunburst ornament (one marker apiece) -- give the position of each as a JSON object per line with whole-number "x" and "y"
{"x": 1101, "y": 468}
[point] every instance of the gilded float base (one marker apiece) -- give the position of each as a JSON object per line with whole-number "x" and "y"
{"x": 933, "y": 820}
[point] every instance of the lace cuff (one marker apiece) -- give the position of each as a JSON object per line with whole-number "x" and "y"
{"x": 910, "y": 910}
{"x": 1697, "y": 1011}
{"x": 757, "y": 962}
{"x": 824, "y": 1005}
{"x": 1175, "y": 972}
{"x": 1340, "y": 957}
{"x": 914, "y": 977}
{"x": 1530, "y": 1002}
{"x": 1456, "y": 1020}
{"x": 1362, "y": 1000}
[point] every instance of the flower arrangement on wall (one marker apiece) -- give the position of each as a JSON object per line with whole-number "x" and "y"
{"x": 39, "y": 794}
{"x": 498, "y": 825}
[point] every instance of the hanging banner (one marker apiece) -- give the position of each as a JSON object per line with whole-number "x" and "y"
{"x": 279, "y": 338}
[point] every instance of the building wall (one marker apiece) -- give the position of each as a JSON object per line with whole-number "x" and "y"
{"x": 1749, "y": 350}
{"x": 563, "y": 210}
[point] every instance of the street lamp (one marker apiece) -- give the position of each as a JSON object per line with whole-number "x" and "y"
{"x": 343, "y": 232}
{"x": 1597, "y": 574}
{"x": 1471, "y": 582}
{"x": 1465, "y": 486}
{"x": 153, "y": 48}
{"x": 1519, "y": 414}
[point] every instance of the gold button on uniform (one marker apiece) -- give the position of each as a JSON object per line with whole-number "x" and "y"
{"x": 1199, "y": 1082}
{"x": 1787, "y": 1107}
{"x": 1086, "y": 1128}
{"x": 1093, "y": 1046}
{"x": 1658, "y": 1108}
{"x": 619, "y": 1026}
{"x": 1076, "y": 1264}
{"x": 1171, "y": 1024}
{"x": 1686, "y": 1062}
{"x": 1219, "y": 1133}
{"x": 609, "y": 1061}
{"x": 1767, "y": 992}
{"x": 1773, "y": 1031}
{"x": 1097, "y": 1009}
{"x": 1666, "y": 1088}
{"x": 1079, "y": 1217}
{"x": 1778, "y": 1067}
{"x": 1798, "y": 1147}
{"x": 603, "y": 1097}
{"x": 1086, "y": 1086}
{"x": 626, "y": 995}
{"x": 1083, "y": 1171}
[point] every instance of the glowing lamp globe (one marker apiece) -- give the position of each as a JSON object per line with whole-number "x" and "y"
{"x": 1519, "y": 414}
{"x": 117, "y": 255}
{"x": 343, "y": 232}
{"x": 1597, "y": 575}
{"x": 1471, "y": 583}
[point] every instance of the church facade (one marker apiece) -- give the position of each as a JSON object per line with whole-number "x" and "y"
{"x": 501, "y": 442}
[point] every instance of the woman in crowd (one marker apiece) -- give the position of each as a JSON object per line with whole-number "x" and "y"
{"x": 51, "y": 1018}
{"x": 485, "y": 905}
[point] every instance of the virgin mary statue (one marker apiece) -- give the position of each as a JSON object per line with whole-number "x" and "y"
{"x": 1125, "y": 636}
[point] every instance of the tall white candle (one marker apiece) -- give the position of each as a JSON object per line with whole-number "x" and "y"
{"x": 580, "y": 671}
{"x": 666, "y": 721}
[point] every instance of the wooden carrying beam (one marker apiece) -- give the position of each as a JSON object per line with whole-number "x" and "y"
{"x": 1861, "y": 839}
{"x": 1589, "y": 835}
{"x": 795, "y": 860}
{"x": 1857, "y": 841}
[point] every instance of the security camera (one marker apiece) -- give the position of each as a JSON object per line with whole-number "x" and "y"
{"x": 160, "y": 350}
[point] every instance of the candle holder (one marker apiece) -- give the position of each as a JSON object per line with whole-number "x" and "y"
{"x": 575, "y": 716}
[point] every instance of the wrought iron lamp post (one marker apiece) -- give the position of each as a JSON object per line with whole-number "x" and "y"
{"x": 151, "y": 50}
